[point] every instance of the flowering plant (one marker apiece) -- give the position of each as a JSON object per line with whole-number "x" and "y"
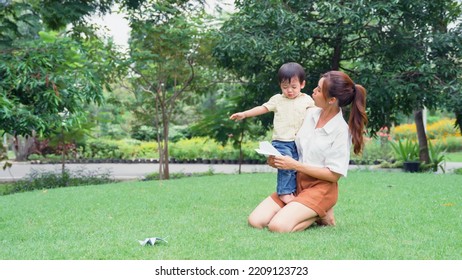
{"x": 384, "y": 134}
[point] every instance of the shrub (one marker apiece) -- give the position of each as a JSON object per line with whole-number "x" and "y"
{"x": 407, "y": 150}
{"x": 375, "y": 150}
{"x": 437, "y": 130}
{"x": 194, "y": 148}
{"x": 404, "y": 131}
{"x": 100, "y": 148}
{"x": 143, "y": 133}
{"x": 37, "y": 179}
{"x": 249, "y": 153}
{"x": 128, "y": 148}
{"x": 452, "y": 143}
{"x": 437, "y": 156}
{"x": 442, "y": 129}
{"x": 148, "y": 150}
{"x": 6, "y": 188}
{"x": 206, "y": 148}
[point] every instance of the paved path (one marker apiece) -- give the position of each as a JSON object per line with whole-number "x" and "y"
{"x": 133, "y": 171}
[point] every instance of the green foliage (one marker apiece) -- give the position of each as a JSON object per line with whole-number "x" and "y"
{"x": 39, "y": 179}
{"x": 437, "y": 156}
{"x": 43, "y": 78}
{"x": 45, "y": 73}
{"x": 4, "y": 156}
{"x": 405, "y": 150}
{"x": 439, "y": 130}
{"x": 166, "y": 51}
{"x": 6, "y": 188}
{"x": 374, "y": 152}
{"x": 452, "y": 143}
{"x": 17, "y": 20}
{"x": 207, "y": 148}
{"x": 148, "y": 133}
{"x": 406, "y": 54}
{"x": 101, "y": 149}
{"x": 143, "y": 133}
{"x": 57, "y": 14}
{"x": 118, "y": 149}
{"x": 155, "y": 176}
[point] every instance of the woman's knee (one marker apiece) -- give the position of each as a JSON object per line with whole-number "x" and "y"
{"x": 293, "y": 217}
{"x": 276, "y": 226}
{"x": 273, "y": 226}
{"x": 255, "y": 222}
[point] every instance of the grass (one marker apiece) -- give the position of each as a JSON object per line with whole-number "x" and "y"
{"x": 454, "y": 157}
{"x": 380, "y": 216}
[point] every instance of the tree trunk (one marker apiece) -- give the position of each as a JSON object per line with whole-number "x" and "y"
{"x": 459, "y": 120}
{"x": 241, "y": 152}
{"x": 336, "y": 57}
{"x": 421, "y": 136}
{"x": 166, "y": 174}
{"x": 160, "y": 150}
{"x": 23, "y": 147}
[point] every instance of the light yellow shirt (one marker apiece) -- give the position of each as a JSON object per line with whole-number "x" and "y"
{"x": 288, "y": 115}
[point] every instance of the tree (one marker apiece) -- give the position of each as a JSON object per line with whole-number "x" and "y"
{"x": 421, "y": 61}
{"x": 215, "y": 122}
{"x": 320, "y": 35}
{"x": 400, "y": 50}
{"x": 43, "y": 73}
{"x": 165, "y": 42}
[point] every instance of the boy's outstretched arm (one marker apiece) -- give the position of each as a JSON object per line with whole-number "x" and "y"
{"x": 256, "y": 111}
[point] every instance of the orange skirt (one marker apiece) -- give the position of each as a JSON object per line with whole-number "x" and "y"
{"x": 314, "y": 193}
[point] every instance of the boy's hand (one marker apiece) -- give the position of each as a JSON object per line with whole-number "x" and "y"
{"x": 237, "y": 116}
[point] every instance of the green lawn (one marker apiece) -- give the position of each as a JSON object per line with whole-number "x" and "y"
{"x": 454, "y": 157}
{"x": 380, "y": 215}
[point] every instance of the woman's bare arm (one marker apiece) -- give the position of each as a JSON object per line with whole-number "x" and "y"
{"x": 286, "y": 162}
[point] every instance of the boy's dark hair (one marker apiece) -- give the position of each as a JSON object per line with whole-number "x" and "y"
{"x": 290, "y": 70}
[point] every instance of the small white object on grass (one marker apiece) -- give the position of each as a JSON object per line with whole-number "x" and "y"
{"x": 151, "y": 241}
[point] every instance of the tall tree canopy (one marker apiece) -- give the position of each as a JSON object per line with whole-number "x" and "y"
{"x": 45, "y": 73}
{"x": 402, "y": 51}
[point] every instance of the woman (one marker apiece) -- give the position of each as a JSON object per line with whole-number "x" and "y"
{"x": 323, "y": 144}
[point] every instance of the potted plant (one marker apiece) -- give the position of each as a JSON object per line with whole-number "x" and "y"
{"x": 408, "y": 152}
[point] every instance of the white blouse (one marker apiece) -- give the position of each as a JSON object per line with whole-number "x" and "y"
{"x": 328, "y": 146}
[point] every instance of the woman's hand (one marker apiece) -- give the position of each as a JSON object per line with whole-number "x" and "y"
{"x": 270, "y": 161}
{"x": 282, "y": 162}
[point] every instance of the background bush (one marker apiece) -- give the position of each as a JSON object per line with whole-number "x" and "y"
{"x": 39, "y": 179}
{"x": 118, "y": 149}
{"x": 436, "y": 130}
{"x": 452, "y": 143}
{"x": 206, "y": 148}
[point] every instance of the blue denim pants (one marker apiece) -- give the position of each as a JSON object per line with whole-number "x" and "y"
{"x": 286, "y": 179}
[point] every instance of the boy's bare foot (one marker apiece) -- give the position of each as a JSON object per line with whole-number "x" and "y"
{"x": 286, "y": 198}
{"x": 328, "y": 220}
